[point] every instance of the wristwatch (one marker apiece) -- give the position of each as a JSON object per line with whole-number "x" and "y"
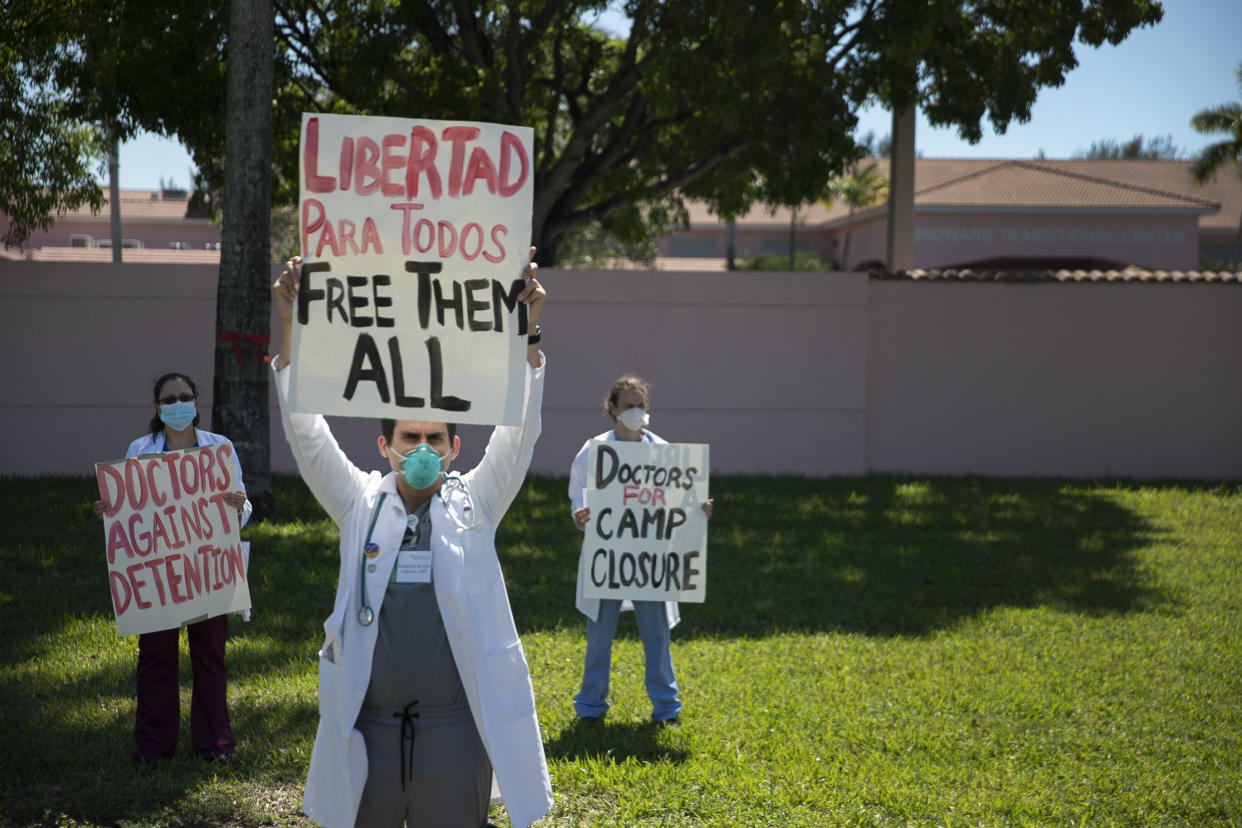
{"x": 534, "y": 338}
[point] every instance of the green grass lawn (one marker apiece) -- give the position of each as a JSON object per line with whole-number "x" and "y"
{"x": 882, "y": 651}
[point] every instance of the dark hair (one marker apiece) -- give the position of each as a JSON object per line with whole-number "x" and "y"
{"x": 157, "y": 425}
{"x": 387, "y": 427}
{"x": 625, "y": 383}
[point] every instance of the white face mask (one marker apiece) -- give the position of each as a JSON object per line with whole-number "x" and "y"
{"x": 634, "y": 418}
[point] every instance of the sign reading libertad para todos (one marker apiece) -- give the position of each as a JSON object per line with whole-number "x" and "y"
{"x": 647, "y": 536}
{"x": 414, "y": 234}
{"x": 174, "y": 550}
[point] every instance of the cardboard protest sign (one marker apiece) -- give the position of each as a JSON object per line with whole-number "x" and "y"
{"x": 414, "y": 234}
{"x": 647, "y": 536}
{"x": 174, "y": 552}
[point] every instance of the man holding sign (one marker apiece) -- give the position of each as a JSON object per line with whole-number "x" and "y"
{"x": 424, "y": 690}
{"x": 651, "y": 502}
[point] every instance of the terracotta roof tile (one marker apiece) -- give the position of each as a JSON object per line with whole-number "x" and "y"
{"x": 141, "y": 205}
{"x": 132, "y": 255}
{"x": 1127, "y": 275}
{"x": 1025, "y": 184}
{"x": 1122, "y": 183}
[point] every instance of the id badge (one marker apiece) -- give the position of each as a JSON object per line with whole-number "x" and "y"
{"x": 414, "y": 566}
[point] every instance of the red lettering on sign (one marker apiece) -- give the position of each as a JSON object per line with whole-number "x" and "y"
{"x": 422, "y": 162}
{"x": 391, "y": 161}
{"x": 498, "y": 231}
{"x": 315, "y": 182}
{"x": 135, "y": 484}
{"x": 135, "y": 583}
{"x": 170, "y": 460}
{"x": 313, "y": 217}
{"x": 174, "y": 580}
{"x": 157, "y": 497}
{"x": 457, "y": 136}
{"x": 121, "y": 594}
{"x": 480, "y": 166}
{"x": 111, "y": 489}
{"x": 510, "y": 149}
{"x": 118, "y": 540}
{"x": 190, "y": 482}
{"x": 144, "y": 537}
{"x": 366, "y": 166}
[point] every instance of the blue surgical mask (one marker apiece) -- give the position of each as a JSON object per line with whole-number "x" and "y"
{"x": 178, "y": 415}
{"x": 421, "y": 466}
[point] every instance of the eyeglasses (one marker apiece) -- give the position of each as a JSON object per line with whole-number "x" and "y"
{"x": 169, "y": 399}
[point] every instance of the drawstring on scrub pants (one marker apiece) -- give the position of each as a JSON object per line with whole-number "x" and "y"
{"x": 407, "y": 732}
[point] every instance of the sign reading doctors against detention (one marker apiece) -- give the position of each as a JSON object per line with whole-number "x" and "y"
{"x": 414, "y": 234}
{"x": 647, "y": 536}
{"x": 173, "y": 544}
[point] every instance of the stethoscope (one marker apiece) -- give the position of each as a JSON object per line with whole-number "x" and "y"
{"x": 465, "y": 521}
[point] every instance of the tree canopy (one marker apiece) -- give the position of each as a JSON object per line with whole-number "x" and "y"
{"x": 726, "y": 101}
{"x": 1225, "y": 119}
{"x": 1138, "y": 147}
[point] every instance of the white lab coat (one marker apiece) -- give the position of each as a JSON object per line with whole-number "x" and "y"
{"x": 469, "y": 588}
{"x": 152, "y": 443}
{"x": 578, "y": 476}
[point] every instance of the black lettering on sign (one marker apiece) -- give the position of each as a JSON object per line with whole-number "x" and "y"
{"x": 366, "y": 366}
{"x": 307, "y": 293}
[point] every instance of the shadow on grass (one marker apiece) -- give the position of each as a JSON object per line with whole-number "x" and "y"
{"x": 615, "y": 743}
{"x": 67, "y": 681}
{"x": 881, "y": 555}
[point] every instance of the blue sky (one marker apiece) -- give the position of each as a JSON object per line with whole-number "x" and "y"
{"x": 1149, "y": 85}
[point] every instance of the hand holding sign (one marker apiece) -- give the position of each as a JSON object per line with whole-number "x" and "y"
{"x": 171, "y": 527}
{"x": 406, "y": 305}
{"x": 646, "y": 521}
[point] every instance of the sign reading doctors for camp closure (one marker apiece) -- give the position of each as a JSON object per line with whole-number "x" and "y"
{"x": 174, "y": 550}
{"x": 414, "y": 234}
{"x": 647, "y": 536}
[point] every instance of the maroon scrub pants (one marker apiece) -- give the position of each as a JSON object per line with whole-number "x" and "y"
{"x": 159, "y": 715}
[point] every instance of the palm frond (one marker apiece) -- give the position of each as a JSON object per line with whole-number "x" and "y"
{"x": 1213, "y": 157}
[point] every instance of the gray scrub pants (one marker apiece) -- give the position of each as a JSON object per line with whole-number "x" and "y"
{"x": 447, "y": 783}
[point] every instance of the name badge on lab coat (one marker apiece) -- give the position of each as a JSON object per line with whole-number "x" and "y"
{"x": 414, "y": 566}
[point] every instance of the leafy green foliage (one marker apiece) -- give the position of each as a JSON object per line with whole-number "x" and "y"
{"x": 727, "y": 101}
{"x": 48, "y": 157}
{"x": 878, "y": 651}
{"x": 1226, "y": 119}
{"x": 1158, "y": 148}
{"x": 803, "y": 260}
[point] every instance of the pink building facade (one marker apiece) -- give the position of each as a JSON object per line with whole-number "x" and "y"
{"x": 1003, "y": 214}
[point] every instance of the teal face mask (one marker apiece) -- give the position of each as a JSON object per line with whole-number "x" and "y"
{"x": 421, "y": 466}
{"x": 178, "y": 415}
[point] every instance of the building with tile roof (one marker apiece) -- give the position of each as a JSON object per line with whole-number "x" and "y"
{"x": 157, "y": 226}
{"x": 977, "y": 214}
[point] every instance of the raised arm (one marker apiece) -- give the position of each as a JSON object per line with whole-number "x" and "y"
{"x": 499, "y": 475}
{"x": 331, "y": 476}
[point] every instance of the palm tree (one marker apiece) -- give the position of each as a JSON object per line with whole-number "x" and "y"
{"x": 861, "y": 188}
{"x": 1227, "y": 119}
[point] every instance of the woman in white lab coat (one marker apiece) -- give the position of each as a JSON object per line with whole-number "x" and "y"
{"x": 157, "y": 715}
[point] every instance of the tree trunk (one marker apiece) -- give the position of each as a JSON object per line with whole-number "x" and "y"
{"x": 1237, "y": 251}
{"x": 793, "y": 235}
{"x": 845, "y": 252}
{"x": 243, "y": 295}
{"x": 114, "y": 192}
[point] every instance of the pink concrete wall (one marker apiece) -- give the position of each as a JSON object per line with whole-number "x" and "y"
{"x": 780, "y": 372}
{"x": 1044, "y": 378}
{"x": 868, "y": 241}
